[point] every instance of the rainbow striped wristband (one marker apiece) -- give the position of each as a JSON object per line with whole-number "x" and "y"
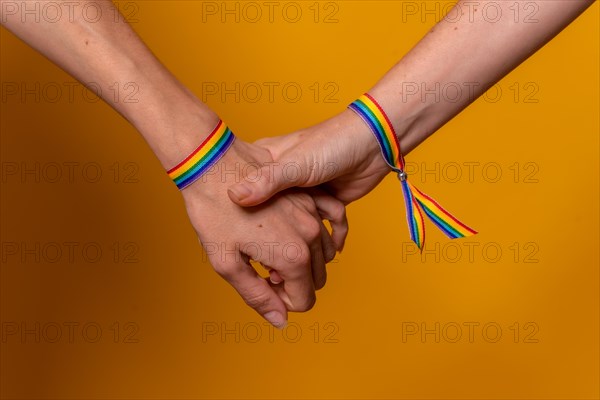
{"x": 205, "y": 156}
{"x": 416, "y": 202}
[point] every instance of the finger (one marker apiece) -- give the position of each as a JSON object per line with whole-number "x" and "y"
{"x": 274, "y": 277}
{"x": 291, "y": 266}
{"x": 255, "y": 291}
{"x": 334, "y": 211}
{"x": 295, "y": 270}
{"x": 321, "y": 256}
{"x": 322, "y": 251}
{"x": 273, "y": 179}
{"x": 327, "y": 244}
{"x": 318, "y": 267}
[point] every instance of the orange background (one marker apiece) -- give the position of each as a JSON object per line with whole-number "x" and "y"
{"x": 171, "y": 328}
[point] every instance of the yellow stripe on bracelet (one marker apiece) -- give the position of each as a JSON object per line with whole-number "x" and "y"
{"x": 200, "y": 160}
{"x": 417, "y": 203}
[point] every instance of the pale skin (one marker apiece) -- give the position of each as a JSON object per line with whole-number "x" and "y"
{"x": 470, "y": 51}
{"x": 172, "y": 120}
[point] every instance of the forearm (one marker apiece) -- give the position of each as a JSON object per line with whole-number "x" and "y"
{"x": 471, "y": 54}
{"x": 171, "y": 119}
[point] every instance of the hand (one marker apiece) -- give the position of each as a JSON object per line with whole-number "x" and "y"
{"x": 286, "y": 235}
{"x": 339, "y": 155}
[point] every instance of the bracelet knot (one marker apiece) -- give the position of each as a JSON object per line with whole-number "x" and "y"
{"x": 416, "y": 202}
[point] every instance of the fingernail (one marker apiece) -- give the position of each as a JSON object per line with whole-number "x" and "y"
{"x": 274, "y": 277}
{"x": 274, "y": 281}
{"x": 276, "y": 319}
{"x": 240, "y": 191}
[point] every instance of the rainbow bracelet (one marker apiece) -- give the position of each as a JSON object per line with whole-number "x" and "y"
{"x": 416, "y": 202}
{"x": 205, "y": 156}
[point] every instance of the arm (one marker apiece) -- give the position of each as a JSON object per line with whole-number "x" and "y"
{"x": 471, "y": 52}
{"x": 168, "y": 116}
{"x": 174, "y": 122}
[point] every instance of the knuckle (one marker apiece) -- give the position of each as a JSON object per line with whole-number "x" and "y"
{"x": 292, "y": 272}
{"x": 295, "y": 257}
{"x": 312, "y": 229}
{"x": 304, "y": 258}
{"x": 226, "y": 271}
{"x": 257, "y": 300}
{"x": 338, "y": 212}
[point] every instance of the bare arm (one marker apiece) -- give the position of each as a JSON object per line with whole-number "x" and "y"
{"x": 472, "y": 54}
{"x": 174, "y": 123}
{"x": 468, "y": 49}
{"x": 106, "y": 51}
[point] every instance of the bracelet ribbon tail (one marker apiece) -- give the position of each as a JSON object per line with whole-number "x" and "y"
{"x": 419, "y": 204}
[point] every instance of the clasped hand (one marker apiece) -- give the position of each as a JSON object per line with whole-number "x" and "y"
{"x": 275, "y": 218}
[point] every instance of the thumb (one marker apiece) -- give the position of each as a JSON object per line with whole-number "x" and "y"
{"x": 270, "y": 180}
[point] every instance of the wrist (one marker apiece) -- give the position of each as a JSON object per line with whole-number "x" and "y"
{"x": 366, "y": 148}
{"x": 348, "y": 129}
{"x": 240, "y": 159}
{"x": 170, "y": 118}
{"x": 351, "y": 146}
{"x": 408, "y": 116}
{"x": 173, "y": 132}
